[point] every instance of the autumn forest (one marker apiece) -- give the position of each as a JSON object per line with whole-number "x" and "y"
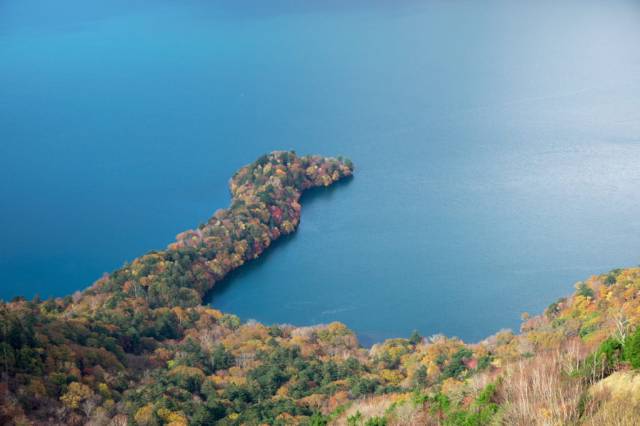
{"x": 139, "y": 347}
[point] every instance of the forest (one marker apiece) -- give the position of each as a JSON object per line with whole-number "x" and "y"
{"x": 139, "y": 347}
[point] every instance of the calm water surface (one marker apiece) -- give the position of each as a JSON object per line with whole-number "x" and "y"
{"x": 496, "y": 142}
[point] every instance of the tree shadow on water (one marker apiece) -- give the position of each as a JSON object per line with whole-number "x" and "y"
{"x": 235, "y": 277}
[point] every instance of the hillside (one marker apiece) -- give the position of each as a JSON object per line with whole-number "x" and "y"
{"x": 139, "y": 348}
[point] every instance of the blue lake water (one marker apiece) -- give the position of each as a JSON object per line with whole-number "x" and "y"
{"x": 497, "y": 147}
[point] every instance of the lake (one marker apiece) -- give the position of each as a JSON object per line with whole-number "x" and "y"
{"x": 496, "y": 144}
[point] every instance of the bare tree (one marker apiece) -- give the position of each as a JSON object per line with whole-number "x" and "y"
{"x": 88, "y": 406}
{"x": 120, "y": 420}
{"x": 622, "y": 326}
